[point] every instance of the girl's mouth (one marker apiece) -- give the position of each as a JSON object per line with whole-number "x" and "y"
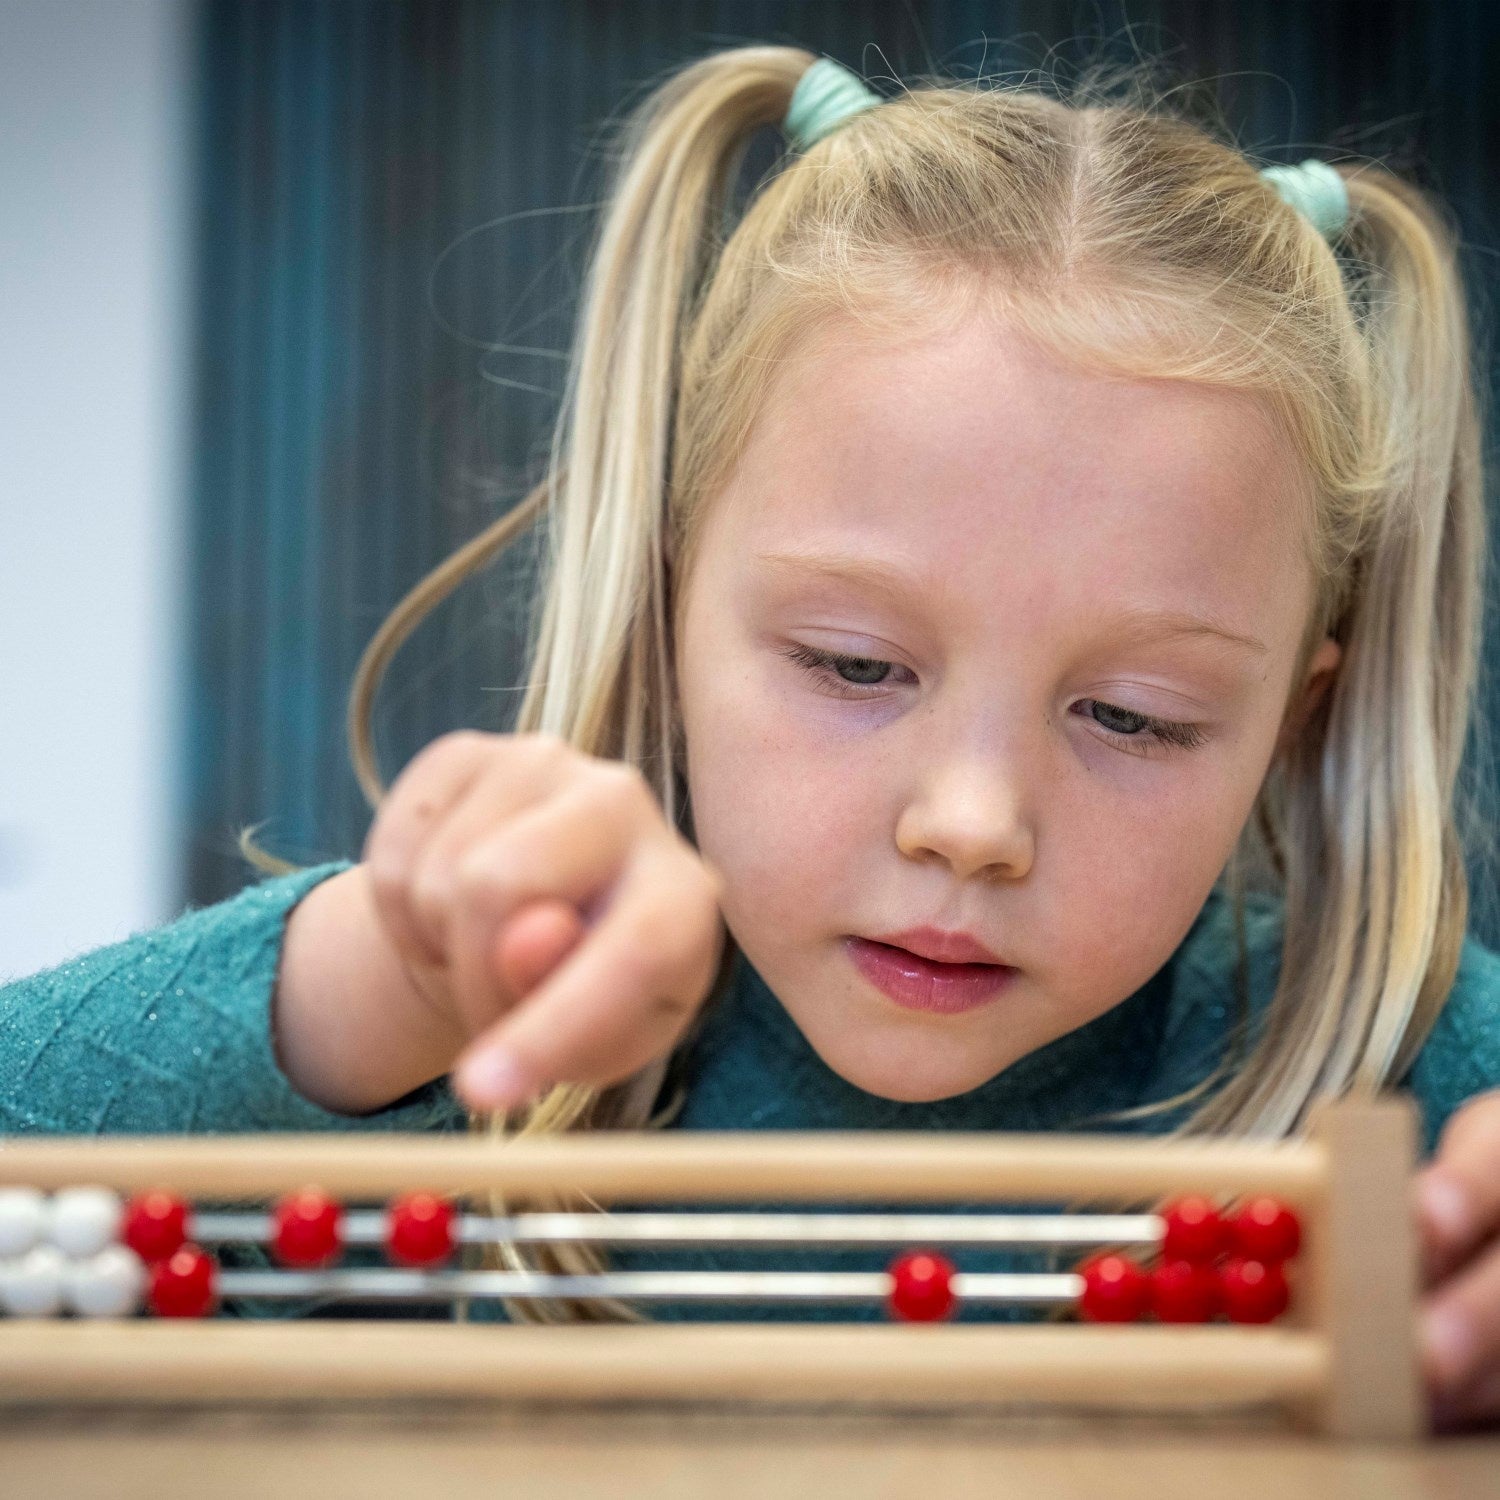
{"x": 923, "y": 983}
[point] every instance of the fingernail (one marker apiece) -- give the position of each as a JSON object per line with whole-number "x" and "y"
{"x": 1446, "y": 1203}
{"x": 494, "y": 1079}
{"x": 1448, "y": 1338}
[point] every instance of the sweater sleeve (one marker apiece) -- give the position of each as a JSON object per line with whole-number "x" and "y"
{"x": 169, "y": 1032}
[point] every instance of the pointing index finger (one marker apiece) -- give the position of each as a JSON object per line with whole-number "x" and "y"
{"x": 618, "y": 1000}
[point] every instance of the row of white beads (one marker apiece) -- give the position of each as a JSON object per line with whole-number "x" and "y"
{"x": 59, "y": 1253}
{"x": 44, "y": 1282}
{"x": 79, "y": 1221}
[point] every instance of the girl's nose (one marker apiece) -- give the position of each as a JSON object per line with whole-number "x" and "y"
{"x": 969, "y": 818}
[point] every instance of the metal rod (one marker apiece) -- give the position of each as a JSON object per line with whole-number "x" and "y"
{"x": 959, "y": 1231}
{"x": 651, "y": 1286}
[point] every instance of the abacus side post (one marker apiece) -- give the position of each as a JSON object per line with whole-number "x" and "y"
{"x": 1361, "y": 1278}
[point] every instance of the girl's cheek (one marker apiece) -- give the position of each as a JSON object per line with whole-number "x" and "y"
{"x": 778, "y": 829}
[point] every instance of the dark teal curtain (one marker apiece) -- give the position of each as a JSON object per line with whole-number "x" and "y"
{"x": 389, "y": 247}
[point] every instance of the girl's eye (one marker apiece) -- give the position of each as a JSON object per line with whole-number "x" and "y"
{"x": 1127, "y": 725}
{"x": 845, "y": 674}
{"x": 1132, "y": 731}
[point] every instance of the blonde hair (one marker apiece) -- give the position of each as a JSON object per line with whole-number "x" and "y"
{"x": 1129, "y": 239}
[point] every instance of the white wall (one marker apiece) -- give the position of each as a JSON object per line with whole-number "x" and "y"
{"x": 93, "y": 233}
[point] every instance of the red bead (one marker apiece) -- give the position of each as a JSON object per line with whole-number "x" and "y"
{"x": 1194, "y": 1231}
{"x": 921, "y": 1287}
{"x": 1254, "y": 1292}
{"x": 154, "y": 1225}
{"x": 1182, "y": 1292}
{"x": 307, "y": 1229}
{"x": 184, "y": 1285}
{"x": 1265, "y": 1229}
{"x": 1115, "y": 1289}
{"x": 419, "y": 1230}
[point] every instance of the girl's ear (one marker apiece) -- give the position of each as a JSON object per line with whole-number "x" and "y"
{"x": 1321, "y": 671}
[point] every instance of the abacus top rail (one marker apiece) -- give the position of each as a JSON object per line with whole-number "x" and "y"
{"x": 698, "y": 1165}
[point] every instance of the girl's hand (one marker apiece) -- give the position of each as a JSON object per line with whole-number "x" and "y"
{"x": 511, "y": 866}
{"x": 1458, "y": 1206}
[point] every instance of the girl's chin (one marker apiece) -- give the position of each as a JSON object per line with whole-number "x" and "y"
{"x": 902, "y": 1071}
{"x": 901, "y": 1090}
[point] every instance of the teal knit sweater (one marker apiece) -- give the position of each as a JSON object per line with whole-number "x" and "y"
{"x": 169, "y": 1032}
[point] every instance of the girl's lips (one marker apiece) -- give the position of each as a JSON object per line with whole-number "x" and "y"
{"x": 924, "y": 984}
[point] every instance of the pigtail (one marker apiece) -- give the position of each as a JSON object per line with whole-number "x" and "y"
{"x": 1365, "y": 820}
{"x": 602, "y": 670}
{"x": 601, "y": 674}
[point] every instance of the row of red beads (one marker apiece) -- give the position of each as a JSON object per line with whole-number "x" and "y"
{"x": 1115, "y": 1290}
{"x": 307, "y": 1231}
{"x": 307, "y": 1228}
{"x": 1248, "y": 1285}
{"x": 1262, "y": 1229}
{"x": 1211, "y": 1264}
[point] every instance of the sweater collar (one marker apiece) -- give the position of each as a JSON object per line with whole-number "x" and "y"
{"x": 750, "y": 1067}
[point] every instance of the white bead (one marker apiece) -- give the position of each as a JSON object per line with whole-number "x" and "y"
{"x": 32, "y": 1286}
{"x": 23, "y": 1220}
{"x": 81, "y": 1221}
{"x": 107, "y": 1285}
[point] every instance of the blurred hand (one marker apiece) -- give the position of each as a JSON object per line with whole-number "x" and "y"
{"x": 545, "y": 911}
{"x": 1458, "y": 1210}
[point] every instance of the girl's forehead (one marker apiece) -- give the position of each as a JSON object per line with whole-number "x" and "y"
{"x": 956, "y": 442}
{"x": 967, "y": 474}
{"x": 982, "y": 399}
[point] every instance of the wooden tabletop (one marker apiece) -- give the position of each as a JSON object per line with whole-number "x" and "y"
{"x": 452, "y": 1450}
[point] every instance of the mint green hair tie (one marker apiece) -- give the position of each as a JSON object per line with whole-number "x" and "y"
{"x": 826, "y": 95}
{"x": 1315, "y": 190}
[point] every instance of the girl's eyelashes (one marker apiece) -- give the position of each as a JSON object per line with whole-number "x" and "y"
{"x": 848, "y": 675}
{"x": 1165, "y": 732}
{"x": 845, "y": 674}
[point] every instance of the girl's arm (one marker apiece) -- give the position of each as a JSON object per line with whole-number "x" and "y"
{"x": 171, "y": 1031}
{"x": 352, "y": 1031}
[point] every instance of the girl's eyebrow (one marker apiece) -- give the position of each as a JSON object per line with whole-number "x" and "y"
{"x": 1135, "y": 621}
{"x": 865, "y": 572}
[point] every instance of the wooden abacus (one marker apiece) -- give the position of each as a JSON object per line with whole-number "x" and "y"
{"x": 1343, "y": 1362}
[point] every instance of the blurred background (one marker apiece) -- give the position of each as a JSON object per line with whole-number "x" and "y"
{"x": 284, "y": 286}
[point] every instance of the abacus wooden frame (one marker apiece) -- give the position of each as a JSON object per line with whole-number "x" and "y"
{"x": 1343, "y": 1363}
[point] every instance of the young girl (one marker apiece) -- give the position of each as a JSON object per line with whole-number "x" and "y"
{"x": 1011, "y": 624}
